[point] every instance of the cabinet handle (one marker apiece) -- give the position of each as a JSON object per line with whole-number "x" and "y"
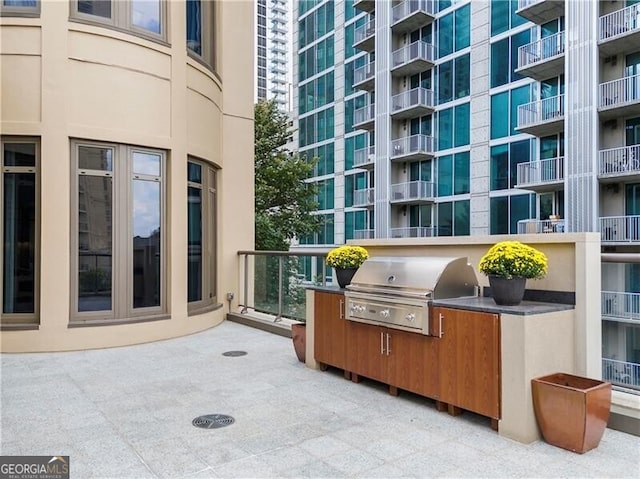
{"x": 388, "y": 347}
{"x": 342, "y": 309}
{"x": 440, "y": 333}
{"x": 381, "y": 342}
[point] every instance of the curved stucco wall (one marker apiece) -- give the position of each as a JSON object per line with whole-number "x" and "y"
{"x": 64, "y": 80}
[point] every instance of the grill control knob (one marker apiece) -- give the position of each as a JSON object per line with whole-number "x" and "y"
{"x": 384, "y": 313}
{"x": 410, "y": 317}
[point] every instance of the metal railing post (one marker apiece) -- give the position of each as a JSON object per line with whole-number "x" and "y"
{"x": 246, "y": 284}
{"x": 280, "y": 274}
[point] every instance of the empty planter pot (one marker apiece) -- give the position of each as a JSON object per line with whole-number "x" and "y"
{"x": 571, "y": 411}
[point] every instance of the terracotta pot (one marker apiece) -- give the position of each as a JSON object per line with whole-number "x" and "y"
{"x": 344, "y": 275}
{"x": 299, "y": 336}
{"x": 571, "y": 411}
{"x": 507, "y": 291}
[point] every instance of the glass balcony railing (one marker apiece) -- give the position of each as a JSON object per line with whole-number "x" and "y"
{"x": 363, "y": 198}
{"x": 363, "y": 234}
{"x": 414, "y": 232}
{"x": 412, "y": 146}
{"x": 412, "y": 191}
{"x": 364, "y": 156}
{"x": 275, "y": 282}
{"x": 414, "y": 98}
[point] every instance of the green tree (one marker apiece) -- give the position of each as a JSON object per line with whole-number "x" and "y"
{"x": 284, "y": 201}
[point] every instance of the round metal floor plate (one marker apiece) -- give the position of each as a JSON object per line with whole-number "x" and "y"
{"x": 234, "y": 354}
{"x": 213, "y": 421}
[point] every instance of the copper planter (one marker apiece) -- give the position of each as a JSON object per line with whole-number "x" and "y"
{"x": 572, "y": 411}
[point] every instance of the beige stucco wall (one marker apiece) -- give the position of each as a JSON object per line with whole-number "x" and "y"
{"x": 62, "y": 80}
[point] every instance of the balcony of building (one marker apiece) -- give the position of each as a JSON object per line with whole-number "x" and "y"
{"x": 278, "y": 69}
{"x": 534, "y": 226}
{"x": 410, "y": 15}
{"x": 415, "y": 192}
{"x": 542, "y": 117}
{"x": 624, "y": 374}
{"x": 414, "y": 58}
{"x": 620, "y": 306}
{"x": 279, "y": 6}
{"x": 414, "y": 232}
{"x": 278, "y": 89}
{"x": 279, "y": 47}
{"x": 619, "y": 31}
{"x": 364, "y": 78}
{"x": 412, "y": 148}
{"x": 364, "y": 234}
{"x": 364, "y": 5}
{"x": 278, "y": 27}
{"x": 620, "y": 230}
{"x": 621, "y": 163}
{"x": 365, "y": 118}
{"x": 540, "y": 11}
{"x": 541, "y": 175}
{"x": 364, "y": 198}
{"x": 412, "y": 104}
{"x": 620, "y": 98}
{"x": 365, "y": 158}
{"x": 543, "y": 58}
{"x": 364, "y": 37}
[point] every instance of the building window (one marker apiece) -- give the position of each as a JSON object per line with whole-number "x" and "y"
{"x": 20, "y": 230}
{"x": 453, "y": 127}
{"x": 504, "y": 111}
{"x": 504, "y": 163}
{"x": 504, "y": 17}
{"x": 201, "y": 31}
{"x": 118, "y": 242}
{"x": 504, "y": 58}
{"x": 201, "y": 233}
{"x": 19, "y": 8}
{"x": 506, "y": 211}
{"x": 146, "y": 18}
{"x": 453, "y": 218}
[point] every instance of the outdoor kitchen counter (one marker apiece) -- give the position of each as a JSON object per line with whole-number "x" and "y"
{"x": 487, "y": 305}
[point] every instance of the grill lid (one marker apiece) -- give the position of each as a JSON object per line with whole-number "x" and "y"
{"x": 421, "y": 276}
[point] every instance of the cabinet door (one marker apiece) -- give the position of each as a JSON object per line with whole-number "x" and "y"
{"x": 366, "y": 353}
{"x": 469, "y": 353}
{"x": 330, "y": 329}
{"x": 413, "y": 362}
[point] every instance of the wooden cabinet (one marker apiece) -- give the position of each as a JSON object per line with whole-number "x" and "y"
{"x": 401, "y": 359}
{"x": 330, "y": 329}
{"x": 469, "y": 360}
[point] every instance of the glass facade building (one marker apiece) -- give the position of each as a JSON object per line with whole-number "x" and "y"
{"x": 455, "y": 118}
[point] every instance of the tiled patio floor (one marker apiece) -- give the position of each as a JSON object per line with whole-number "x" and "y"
{"x": 127, "y": 412}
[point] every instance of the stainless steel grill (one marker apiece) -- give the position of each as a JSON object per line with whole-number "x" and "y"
{"x": 397, "y": 291}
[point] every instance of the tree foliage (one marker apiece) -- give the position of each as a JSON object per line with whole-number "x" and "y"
{"x": 284, "y": 201}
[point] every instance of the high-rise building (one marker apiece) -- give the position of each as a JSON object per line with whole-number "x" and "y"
{"x": 448, "y": 118}
{"x": 272, "y": 42}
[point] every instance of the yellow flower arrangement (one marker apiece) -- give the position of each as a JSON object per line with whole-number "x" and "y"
{"x": 347, "y": 257}
{"x": 511, "y": 259}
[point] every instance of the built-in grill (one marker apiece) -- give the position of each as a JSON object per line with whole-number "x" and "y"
{"x": 397, "y": 291}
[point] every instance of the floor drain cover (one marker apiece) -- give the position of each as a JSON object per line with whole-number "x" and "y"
{"x": 234, "y": 353}
{"x": 213, "y": 421}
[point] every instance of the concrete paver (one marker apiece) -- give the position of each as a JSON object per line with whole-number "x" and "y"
{"x": 127, "y": 412}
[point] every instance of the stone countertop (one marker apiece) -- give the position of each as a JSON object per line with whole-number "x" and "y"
{"x": 327, "y": 289}
{"x": 487, "y": 305}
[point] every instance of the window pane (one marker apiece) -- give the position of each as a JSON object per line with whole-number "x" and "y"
{"x": 92, "y": 158}
{"x": 461, "y": 221}
{"x": 194, "y": 216}
{"x": 194, "y": 172}
{"x": 146, "y": 243}
{"x": 146, "y": 163}
{"x": 499, "y": 213}
{"x": 500, "y": 62}
{"x": 19, "y": 154}
{"x": 194, "y": 26}
{"x": 18, "y": 292}
{"x": 500, "y": 115}
{"x": 461, "y": 168}
{"x": 500, "y": 167}
{"x": 519, "y": 96}
{"x": 19, "y": 3}
{"x": 445, "y": 35}
{"x": 95, "y": 213}
{"x": 462, "y": 82}
{"x": 445, "y": 82}
{"x": 519, "y": 211}
{"x": 146, "y": 14}
{"x": 520, "y": 153}
{"x": 445, "y": 219}
{"x": 99, "y": 8}
{"x": 499, "y": 16}
{"x": 462, "y": 27}
{"x": 445, "y": 129}
{"x": 445, "y": 175}
{"x": 462, "y": 125}
{"x": 517, "y": 41}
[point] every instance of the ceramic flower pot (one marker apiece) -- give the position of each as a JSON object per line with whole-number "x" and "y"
{"x": 344, "y": 275}
{"x": 299, "y": 337}
{"x": 507, "y": 291}
{"x": 572, "y": 412}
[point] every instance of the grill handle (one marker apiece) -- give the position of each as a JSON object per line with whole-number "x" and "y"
{"x": 381, "y": 343}
{"x": 440, "y": 333}
{"x": 342, "y": 310}
{"x": 388, "y": 347}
